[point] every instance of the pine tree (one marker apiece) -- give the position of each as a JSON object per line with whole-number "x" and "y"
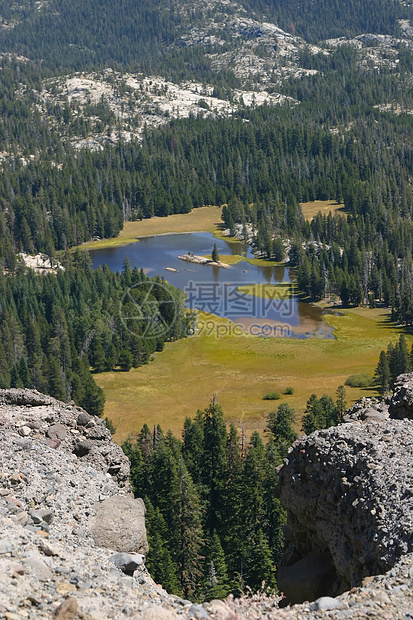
{"x": 214, "y": 463}
{"x": 280, "y": 422}
{"x": 54, "y": 379}
{"x": 216, "y": 584}
{"x": 341, "y": 401}
{"x": 136, "y": 477}
{"x": 275, "y": 516}
{"x": 278, "y": 249}
{"x": 159, "y": 561}
{"x": 382, "y": 373}
{"x": 193, "y": 446}
{"x": 187, "y": 537}
{"x": 256, "y": 561}
{"x": 215, "y": 254}
{"x": 403, "y": 356}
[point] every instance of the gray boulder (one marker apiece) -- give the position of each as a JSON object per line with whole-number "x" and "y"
{"x": 401, "y": 404}
{"x": 119, "y": 524}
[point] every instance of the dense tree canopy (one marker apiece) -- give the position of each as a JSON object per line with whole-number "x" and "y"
{"x": 55, "y": 329}
{"x": 214, "y": 523}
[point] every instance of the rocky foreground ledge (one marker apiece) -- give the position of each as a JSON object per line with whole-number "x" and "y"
{"x": 73, "y": 540}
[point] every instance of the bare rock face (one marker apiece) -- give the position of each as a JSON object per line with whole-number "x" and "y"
{"x": 348, "y": 491}
{"x": 368, "y": 409}
{"x": 119, "y": 524}
{"x": 65, "y": 427}
{"x": 401, "y": 404}
{"x": 52, "y": 496}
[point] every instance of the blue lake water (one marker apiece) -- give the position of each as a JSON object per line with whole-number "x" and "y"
{"x": 215, "y": 289}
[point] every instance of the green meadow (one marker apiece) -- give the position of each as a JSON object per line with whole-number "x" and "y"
{"x": 206, "y": 219}
{"x": 240, "y": 369}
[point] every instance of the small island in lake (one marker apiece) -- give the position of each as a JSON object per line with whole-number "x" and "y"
{"x": 202, "y": 260}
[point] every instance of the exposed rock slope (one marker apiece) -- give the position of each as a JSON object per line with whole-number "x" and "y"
{"x": 72, "y": 536}
{"x": 349, "y": 495}
{"x": 65, "y": 509}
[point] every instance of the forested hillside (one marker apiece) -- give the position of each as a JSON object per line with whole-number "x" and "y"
{"x": 324, "y": 19}
{"x": 341, "y": 142}
{"x": 56, "y": 329}
{"x": 214, "y": 524}
{"x": 341, "y": 130}
{"x": 80, "y": 34}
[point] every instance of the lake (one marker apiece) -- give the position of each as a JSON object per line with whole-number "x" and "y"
{"x": 216, "y": 289}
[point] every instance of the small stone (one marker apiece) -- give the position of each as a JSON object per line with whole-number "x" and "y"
{"x": 16, "y": 569}
{"x": 47, "y": 549}
{"x": 16, "y": 478}
{"x": 82, "y": 448}
{"x": 127, "y": 582}
{"x": 57, "y": 431}
{"x": 36, "y": 516}
{"x": 25, "y": 431}
{"x": 324, "y": 603}
{"x": 381, "y": 597}
{"x": 127, "y": 562}
{"x": 197, "y": 612}
{"x": 5, "y": 547}
{"x": 83, "y": 419}
{"x": 67, "y": 610}
{"x": 23, "y": 442}
{"x": 22, "y": 518}
{"x": 54, "y": 443}
{"x": 64, "y": 587}
{"x": 44, "y": 514}
{"x": 34, "y": 600}
{"x": 42, "y": 572}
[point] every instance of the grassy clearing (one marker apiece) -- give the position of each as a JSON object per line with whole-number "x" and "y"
{"x": 310, "y": 209}
{"x": 229, "y": 259}
{"x": 233, "y": 259}
{"x": 239, "y": 369}
{"x": 263, "y": 262}
{"x": 203, "y": 219}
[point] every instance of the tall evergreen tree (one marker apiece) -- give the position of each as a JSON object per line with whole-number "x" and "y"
{"x": 280, "y": 422}
{"x": 216, "y": 583}
{"x": 214, "y": 462}
{"x": 382, "y": 373}
{"x": 187, "y": 536}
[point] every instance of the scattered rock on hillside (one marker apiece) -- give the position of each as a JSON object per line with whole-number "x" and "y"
{"x": 65, "y": 427}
